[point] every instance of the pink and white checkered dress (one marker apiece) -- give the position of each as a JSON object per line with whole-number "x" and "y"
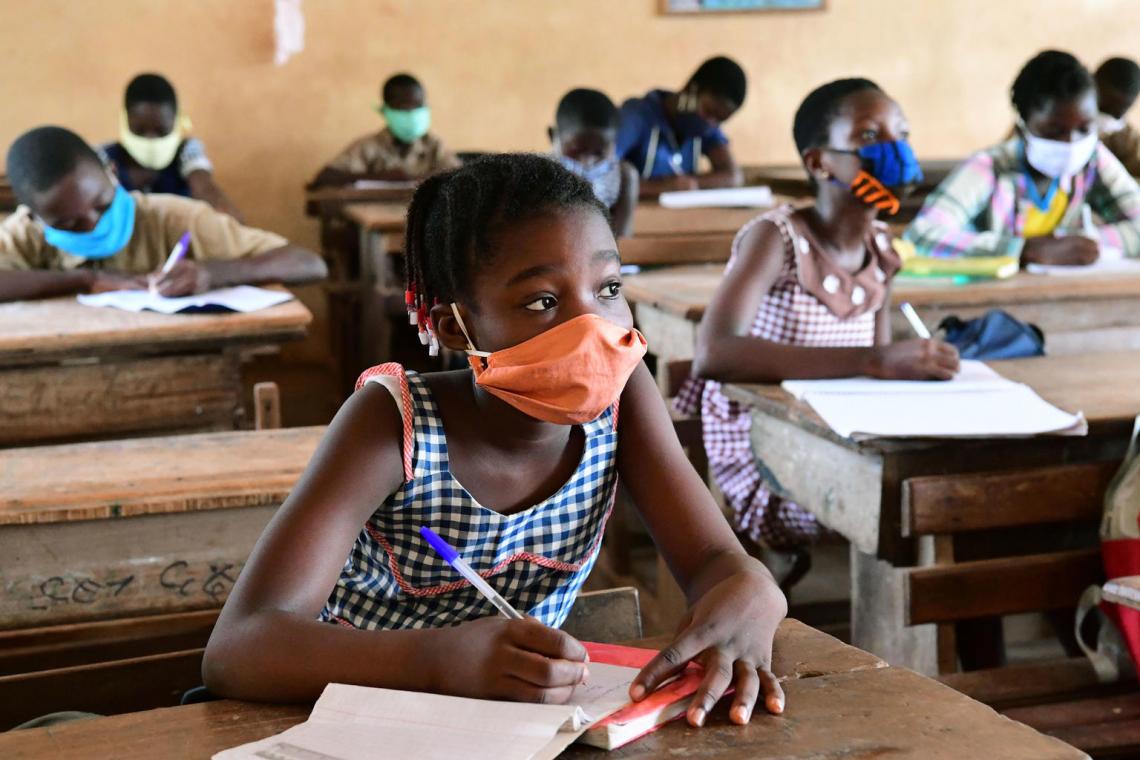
{"x": 788, "y": 314}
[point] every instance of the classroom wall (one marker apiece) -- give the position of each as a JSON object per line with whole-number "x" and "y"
{"x": 495, "y": 69}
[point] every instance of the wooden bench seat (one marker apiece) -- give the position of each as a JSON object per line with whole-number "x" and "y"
{"x": 955, "y": 515}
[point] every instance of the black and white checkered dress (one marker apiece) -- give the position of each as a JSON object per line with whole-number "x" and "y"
{"x": 537, "y": 558}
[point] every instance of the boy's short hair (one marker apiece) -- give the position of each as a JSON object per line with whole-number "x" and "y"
{"x": 723, "y": 77}
{"x": 1121, "y": 74}
{"x": 1048, "y": 76}
{"x": 41, "y": 157}
{"x": 396, "y": 82}
{"x": 584, "y": 108}
{"x": 150, "y": 88}
{"x": 812, "y": 123}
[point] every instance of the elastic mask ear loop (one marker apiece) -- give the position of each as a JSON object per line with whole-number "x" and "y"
{"x": 471, "y": 351}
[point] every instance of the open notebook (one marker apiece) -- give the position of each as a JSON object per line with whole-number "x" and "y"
{"x": 243, "y": 298}
{"x": 977, "y": 403}
{"x": 351, "y": 722}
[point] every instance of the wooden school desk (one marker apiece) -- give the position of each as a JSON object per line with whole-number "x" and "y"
{"x": 148, "y": 525}
{"x": 841, "y": 702}
{"x": 857, "y": 489}
{"x": 69, "y": 372}
{"x": 1078, "y": 314}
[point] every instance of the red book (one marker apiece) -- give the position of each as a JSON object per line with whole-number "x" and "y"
{"x": 637, "y": 719}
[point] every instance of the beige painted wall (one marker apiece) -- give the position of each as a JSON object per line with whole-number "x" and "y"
{"x": 495, "y": 69}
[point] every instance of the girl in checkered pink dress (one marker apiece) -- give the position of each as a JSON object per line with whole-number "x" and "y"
{"x": 806, "y": 294}
{"x": 514, "y": 461}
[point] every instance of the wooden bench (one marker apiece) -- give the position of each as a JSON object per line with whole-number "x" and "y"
{"x": 955, "y": 514}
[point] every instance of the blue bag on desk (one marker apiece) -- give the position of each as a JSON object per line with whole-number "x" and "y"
{"x": 994, "y": 335}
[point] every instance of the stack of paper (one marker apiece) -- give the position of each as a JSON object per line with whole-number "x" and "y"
{"x": 351, "y": 722}
{"x": 243, "y": 298}
{"x": 759, "y": 196}
{"x": 384, "y": 184}
{"x": 978, "y": 403}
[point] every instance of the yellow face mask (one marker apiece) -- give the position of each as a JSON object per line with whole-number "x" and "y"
{"x": 154, "y": 153}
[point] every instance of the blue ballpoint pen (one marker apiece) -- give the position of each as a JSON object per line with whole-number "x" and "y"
{"x": 448, "y": 553}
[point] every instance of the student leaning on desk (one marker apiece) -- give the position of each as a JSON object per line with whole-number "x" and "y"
{"x": 81, "y": 232}
{"x": 1027, "y": 196}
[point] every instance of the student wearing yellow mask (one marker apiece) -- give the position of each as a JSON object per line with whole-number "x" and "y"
{"x": 403, "y": 150}
{"x": 155, "y": 154}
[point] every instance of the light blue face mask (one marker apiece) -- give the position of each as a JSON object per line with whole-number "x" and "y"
{"x": 408, "y": 126}
{"x": 603, "y": 176}
{"x": 111, "y": 234}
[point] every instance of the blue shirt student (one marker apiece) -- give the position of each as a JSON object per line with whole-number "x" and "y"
{"x": 658, "y": 148}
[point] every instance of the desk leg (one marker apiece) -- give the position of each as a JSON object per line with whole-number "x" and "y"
{"x": 376, "y": 278}
{"x": 878, "y": 607}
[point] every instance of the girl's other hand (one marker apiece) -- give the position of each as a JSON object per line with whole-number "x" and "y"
{"x": 919, "y": 359}
{"x": 497, "y": 658}
{"x": 1071, "y": 250}
{"x": 729, "y": 631}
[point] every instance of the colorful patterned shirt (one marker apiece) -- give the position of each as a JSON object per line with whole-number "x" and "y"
{"x": 981, "y": 208}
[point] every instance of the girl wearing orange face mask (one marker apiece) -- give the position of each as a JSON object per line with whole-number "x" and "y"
{"x": 513, "y": 461}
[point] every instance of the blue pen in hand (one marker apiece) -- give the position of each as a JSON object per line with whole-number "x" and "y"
{"x": 448, "y": 553}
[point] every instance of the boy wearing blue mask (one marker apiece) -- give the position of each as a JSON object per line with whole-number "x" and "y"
{"x": 403, "y": 150}
{"x": 79, "y": 231}
{"x": 155, "y": 152}
{"x": 583, "y": 136}
{"x": 664, "y": 134}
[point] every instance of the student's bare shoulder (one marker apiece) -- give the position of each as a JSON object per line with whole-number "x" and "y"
{"x": 449, "y": 386}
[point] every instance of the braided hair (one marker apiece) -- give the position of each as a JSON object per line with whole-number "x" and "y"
{"x": 1048, "y": 76}
{"x": 454, "y": 218}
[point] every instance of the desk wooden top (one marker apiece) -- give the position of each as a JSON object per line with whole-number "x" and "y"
{"x": 329, "y": 199}
{"x": 377, "y": 217}
{"x": 1105, "y": 386}
{"x": 651, "y": 219}
{"x": 835, "y": 708}
{"x": 63, "y": 327}
{"x": 685, "y": 291}
{"x": 143, "y": 476}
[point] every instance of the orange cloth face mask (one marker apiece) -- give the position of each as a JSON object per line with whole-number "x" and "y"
{"x": 567, "y": 375}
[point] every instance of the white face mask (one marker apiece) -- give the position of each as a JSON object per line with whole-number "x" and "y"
{"x": 1106, "y": 124}
{"x": 1057, "y": 159}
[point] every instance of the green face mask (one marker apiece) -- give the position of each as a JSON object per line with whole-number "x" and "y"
{"x": 407, "y": 126}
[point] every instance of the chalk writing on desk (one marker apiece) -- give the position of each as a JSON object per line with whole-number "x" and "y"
{"x": 215, "y": 580}
{"x": 198, "y": 583}
{"x": 60, "y": 589}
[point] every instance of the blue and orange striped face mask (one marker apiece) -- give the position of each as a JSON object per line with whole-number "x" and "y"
{"x": 889, "y": 170}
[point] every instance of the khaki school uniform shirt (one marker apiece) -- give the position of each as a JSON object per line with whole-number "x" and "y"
{"x": 160, "y": 220}
{"x": 1125, "y": 145}
{"x": 382, "y": 152}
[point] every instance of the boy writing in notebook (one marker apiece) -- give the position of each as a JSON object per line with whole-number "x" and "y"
{"x": 404, "y": 149}
{"x": 155, "y": 152}
{"x": 585, "y": 128}
{"x": 512, "y": 461}
{"x": 79, "y": 231}
{"x": 664, "y": 134}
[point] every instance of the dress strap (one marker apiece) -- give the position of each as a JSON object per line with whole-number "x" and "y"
{"x": 394, "y": 378}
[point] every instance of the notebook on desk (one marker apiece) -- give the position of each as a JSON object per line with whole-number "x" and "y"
{"x": 350, "y": 722}
{"x": 977, "y": 403}
{"x": 243, "y": 298}
{"x": 727, "y": 197}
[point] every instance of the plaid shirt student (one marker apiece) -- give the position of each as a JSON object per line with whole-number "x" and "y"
{"x": 537, "y": 559}
{"x": 980, "y": 209}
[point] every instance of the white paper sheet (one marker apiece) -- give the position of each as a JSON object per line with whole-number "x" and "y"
{"x": 748, "y": 197}
{"x": 384, "y": 184}
{"x": 971, "y": 375}
{"x": 243, "y": 298}
{"x": 1110, "y": 261}
{"x": 974, "y": 413}
{"x": 362, "y": 723}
